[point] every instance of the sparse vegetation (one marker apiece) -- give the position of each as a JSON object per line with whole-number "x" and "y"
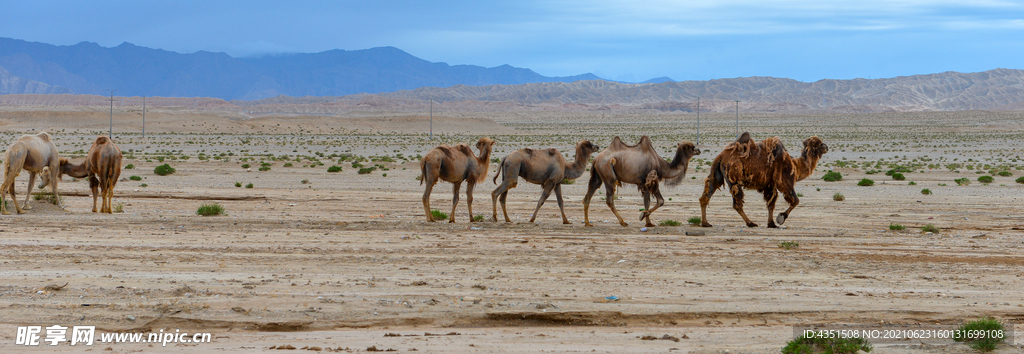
{"x": 210, "y": 209}
{"x": 812, "y": 345}
{"x": 983, "y": 334}
{"x": 135, "y": 178}
{"x": 866, "y": 183}
{"x": 832, "y": 176}
{"x": 896, "y": 227}
{"x": 119, "y": 208}
{"x": 789, "y": 245}
{"x": 367, "y": 170}
{"x": 164, "y": 170}
{"x": 669, "y": 223}
{"x": 478, "y": 217}
{"x": 129, "y": 166}
{"x": 1020, "y": 180}
{"x": 926, "y": 191}
{"x": 334, "y": 168}
{"x": 962, "y": 181}
{"x": 250, "y": 186}
{"x": 439, "y": 215}
{"x": 49, "y": 197}
{"x": 986, "y": 179}
{"x": 838, "y": 197}
{"x": 898, "y": 176}
{"x": 930, "y": 228}
{"x": 693, "y": 220}
{"x": 238, "y": 184}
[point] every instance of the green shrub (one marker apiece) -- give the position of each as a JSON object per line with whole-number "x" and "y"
{"x": 366, "y": 170}
{"x": 985, "y": 179}
{"x": 832, "y": 176}
{"x": 334, "y": 169}
{"x": 245, "y": 165}
{"x": 983, "y": 334}
{"x": 129, "y": 166}
{"x": 962, "y": 181}
{"x": 693, "y": 220}
{"x": 866, "y": 183}
{"x": 478, "y": 217}
{"x": 896, "y": 227}
{"x": 1005, "y": 173}
{"x": 931, "y": 228}
{"x": 810, "y": 345}
{"x": 926, "y": 191}
{"x": 210, "y": 209}
{"x": 568, "y": 181}
{"x": 439, "y": 215}
{"x": 264, "y": 168}
{"x": 898, "y": 176}
{"x": 912, "y": 183}
{"x": 669, "y": 223}
{"x": 143, "y": 185}
{"x": 119, "y": 208}
{"x": 164, "y": 170}
{"x": 788, "y": 245}
{"x": 1020, "y": 180}
{"x": 249, "y": 186}
{"x": 838, "y": 197}
{"x": 135, "y": 178}
{"x": 288, "y": 164}
{"x": 238, "y": 184}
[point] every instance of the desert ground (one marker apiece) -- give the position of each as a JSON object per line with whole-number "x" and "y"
{"x": 344, "y": 261}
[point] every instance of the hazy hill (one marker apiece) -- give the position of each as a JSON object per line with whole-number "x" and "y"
{"x": 88, "y": 68}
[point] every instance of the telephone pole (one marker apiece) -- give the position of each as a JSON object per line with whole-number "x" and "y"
{"x": 431, "y": 118}
{"x": 737, "y": 119}
{"x": 110, "y": 134}
{"x": 698, "y": 120}
{"x": 143, "y": 116}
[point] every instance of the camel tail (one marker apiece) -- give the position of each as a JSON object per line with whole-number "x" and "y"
{"x": 717, "y": 173}
{"x": 423, "y": 170}
{"x": 501, "y": 167}
{"x": 102, "y": 140}
{"x": 15, "y": 159}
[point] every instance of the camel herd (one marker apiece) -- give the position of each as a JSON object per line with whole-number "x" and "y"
{"x": 38, "y": 155}
{"x": 763, "y": 166}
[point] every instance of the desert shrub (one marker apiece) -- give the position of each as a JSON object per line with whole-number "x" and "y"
{"x": 135, "y": 178}
{"x": 288, "y": 164}
{"x": 249, "y": 186}
{"x": 985, "y": 179}
{"x": 305, "y": 181}
{"x": 164, "y": 170}
{"x": 926, "y": 191}
{"x": 930, "y": 228}
{"x": 693, "y": 220}
{"x": 832, "y": 176}
{"x": 1005, "y": 173}
{"x": 568, "y": 181}
{"x": 811, "y": 345}
{"x": 1020, "y": 180}
{"x": 245, "y": 165}
{"x": 129, "y": 166}
{"x": 478, "y": 217}
{"x": 49, "y": 197}
{"x": 366, "y": 170}
{"x": 898, "y": 176}
{"x": 119, "y": 208}
{"x": 334, "y": 169}
{"x": 838, "y": 197}
{"x": 866, "y": 183}
{"x": 896, "y": 227}
{"x": 962, "y": 181}
{"x": 912, "y": 183}
{"x": 788, "y": 245}
{"x": 437, "y": 214}
{"x": 983, "y": 334}
{"x": 669, "y": 223}
{"x": 238, "y": 184}
{"x": 210, "y": 209}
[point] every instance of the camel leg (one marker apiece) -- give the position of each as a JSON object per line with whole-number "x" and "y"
{"x": 711, "y": 184}
{"x": 14, "y": 199}
{"x": 54, "y": 179}
{"x": 31, "y": 182}
{"x": 595, "y": 183}
{"x": 543, "y": 197}
{"x": 770, "y": 197}
{"x": 609, "y": 190}
{"x": 426, "y": 199}
{"x": 455, "y": 201}
{"x": 94, "y": 185}
{"x": 646, "y": 214}
{"x": 3, "y": 193}
{"x": 660, "y": 202}
{"x": 737, "y": 203}
{"x": 561, "y": 206}
{"x": 503, "y": 209}
{"x": 792, "y": 199}
{"x": 469, "y": 199}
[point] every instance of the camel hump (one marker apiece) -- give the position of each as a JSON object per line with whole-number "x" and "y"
{"x": 465, "y": 149}
{"x": 552, "y": 151}
{"x": 774, "y": 147}
{"x": 617, "y": 142}
{"x": 744, "y": 138}
{"x": 45, "y": 136}
{"x": 102, "y": 140}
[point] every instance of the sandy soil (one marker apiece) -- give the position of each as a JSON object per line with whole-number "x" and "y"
{"x": 345, "y": 261}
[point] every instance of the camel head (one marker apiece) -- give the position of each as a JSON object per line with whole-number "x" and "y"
{"x": 585, "y": 147}
{"x": 684, "y": 152}
{"x": 814, "y": 147}
{"x": 484, "y": 143}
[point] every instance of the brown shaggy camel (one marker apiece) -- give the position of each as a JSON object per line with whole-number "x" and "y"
{"x": 103, "y": 167}
{"x": 640, "y": 165}
{"x": 35, "y": 154}
{"x": 455, "y": 164}
{"x": 766, "y": 167}
{"x": 544, "y": 167}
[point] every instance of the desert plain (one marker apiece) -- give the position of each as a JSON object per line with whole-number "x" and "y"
{"x": 343, "y": 261}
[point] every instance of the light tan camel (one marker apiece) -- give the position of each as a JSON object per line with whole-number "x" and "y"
{"x": 544, "y": 167}
{"x": 32, "y": 153}
{"x": 640, "y": 165}
{"x": 103, "y": 167}
{"x": 455, "y": 164}
{"x": 766, "y": 167}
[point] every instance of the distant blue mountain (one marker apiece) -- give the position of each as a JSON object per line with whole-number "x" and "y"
{"x": 88, "y": 68}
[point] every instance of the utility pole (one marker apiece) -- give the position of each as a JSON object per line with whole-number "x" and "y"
{"x": 698, "y": 120}
{"x": 431, "y": 118}
{"x": 143, "y": 116}
{"x": 737, "y": 119}
{"x": 110, "y": 134}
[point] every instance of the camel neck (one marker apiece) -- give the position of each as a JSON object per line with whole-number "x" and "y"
{"x": 804, "y": 166}
{"x": 578, "y": 165}
{"x": 76, "y": 171}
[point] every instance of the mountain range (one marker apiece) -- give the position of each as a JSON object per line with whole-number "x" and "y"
{"x": 389, "y": 77}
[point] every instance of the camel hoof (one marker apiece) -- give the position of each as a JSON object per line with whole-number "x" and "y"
{"x": 623, "y": 224}
{"x": 781, "y": 219}
{"x": 452, "y": 221}
{"x": 705, "y": 224}
{"x": 772, "y": 226}
{"x": 21, "y": 211}
{"x": 6, "y": 213}
{"x": 750, "y": 224}
{"x": 588, "y": 225}
{"x": 643, "y": 215}
{"x": 566, "y": 223}
{"x": 27, "y": 207}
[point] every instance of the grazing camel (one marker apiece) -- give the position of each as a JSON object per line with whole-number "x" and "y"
{"x": 640, "y": 165}
{"x": 766, "y": 167}
{"x": 103, "y": 167}
{"x": 34, "y": 153}
{"x": 455, "y": 164}
{"x": 544, "y": 167}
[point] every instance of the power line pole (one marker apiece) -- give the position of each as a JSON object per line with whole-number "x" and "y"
{"x": 737, "y": 119}
{"x": 698, "y": 120}
{"x": 110, "y": 134}
{"x": 143, "y": 116}
{"x": 431, "y": 118}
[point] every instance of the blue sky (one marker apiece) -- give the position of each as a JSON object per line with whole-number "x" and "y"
{"x": 619, "y": 40}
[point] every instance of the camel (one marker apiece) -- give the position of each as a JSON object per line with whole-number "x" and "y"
{"x": 455, "y": 164}
{"x": 640, "y": 165}
{"x": 103, "y": 167}
{"x": 35, "y": 154}
{"x": 766, "y": 167}
{"x": 544, "y": 167}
